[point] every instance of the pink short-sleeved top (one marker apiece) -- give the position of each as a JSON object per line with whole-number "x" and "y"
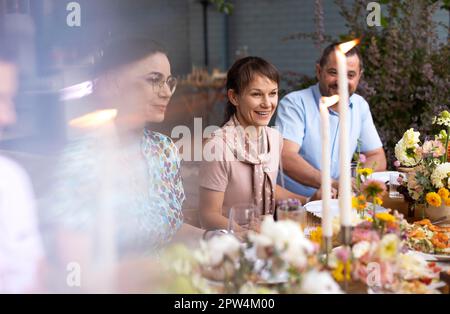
{"x": 235, "y": 177}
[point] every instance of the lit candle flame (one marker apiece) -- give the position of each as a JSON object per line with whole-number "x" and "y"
{"x": 347, "y": 46}
{"x": 94, "y": 119}
{"x": 329, "y": 101}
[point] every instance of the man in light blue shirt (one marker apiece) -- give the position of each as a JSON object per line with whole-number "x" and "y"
{"x": 298, "y": 120}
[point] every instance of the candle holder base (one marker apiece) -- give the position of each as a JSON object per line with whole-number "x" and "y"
{"x": 327, "y": 246}
{"x": 346, "y": 235}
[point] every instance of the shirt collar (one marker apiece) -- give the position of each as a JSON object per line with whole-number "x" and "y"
{"x": 317, "y": 95}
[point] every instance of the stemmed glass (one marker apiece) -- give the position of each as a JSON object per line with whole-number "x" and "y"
{"x": 242, "y": 218}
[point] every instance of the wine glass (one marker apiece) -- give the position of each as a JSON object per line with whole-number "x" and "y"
{"x": 242, "y": 218}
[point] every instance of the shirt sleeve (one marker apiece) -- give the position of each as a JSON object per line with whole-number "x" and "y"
{"x": 369, "y": 137}
{"x": 214, "y": 171}
{"x": 290, "y": 120}
{"x": 21, "y": 244}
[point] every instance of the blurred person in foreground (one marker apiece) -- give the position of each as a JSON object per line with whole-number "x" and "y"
{"x": 122, "y": 165}
{"x": 21, "y": 252}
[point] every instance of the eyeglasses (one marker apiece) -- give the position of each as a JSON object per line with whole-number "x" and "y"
{"x": 157, "y": 81}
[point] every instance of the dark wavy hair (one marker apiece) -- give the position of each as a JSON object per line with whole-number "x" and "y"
{"x": 122, "y": 51}
{"x": 241, "y": 74}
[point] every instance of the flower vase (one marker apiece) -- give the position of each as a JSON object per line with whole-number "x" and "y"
{"x": 434, "y": 213}
{"x": 406, "y": 169}
{"x": 417, "y": 211}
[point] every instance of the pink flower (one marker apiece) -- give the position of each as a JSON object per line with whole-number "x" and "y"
{"x": 362, "y": 158}
{"x": 434, "y": 148}
{"x": 360, "y": 234}
{"x": 343, "y": 254}
{"x": 374, "y": 188}
{"x": 360, "y": 271}
{"x": 397, "y": 163}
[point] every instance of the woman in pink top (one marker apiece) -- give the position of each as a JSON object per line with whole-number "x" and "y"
{"x": 244, "y": 155}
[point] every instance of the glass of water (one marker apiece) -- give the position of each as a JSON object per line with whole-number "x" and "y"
{"x": 393, "y": 186}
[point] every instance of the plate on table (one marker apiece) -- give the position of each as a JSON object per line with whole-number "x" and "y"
{"x": 315, "y": 208}
{"x": 383, "y": 176}
{"x": 433, "y": 257}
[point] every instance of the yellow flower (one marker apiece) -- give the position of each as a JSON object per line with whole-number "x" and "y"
{"x": 443, "y": 193}
{"x": 359, "y": 203}
{"x": 355, "y": 202}
{"x": 316, "y": 235}
{"x": 369, "y": 219}
{"x": 377, "y": 200}
{"x": 365, "y": 171}
{"x": 433, "y": 199}
{"x": 447, "y": 202}
{"x": 338, "y": 272}
{"x": 385, "y": 217}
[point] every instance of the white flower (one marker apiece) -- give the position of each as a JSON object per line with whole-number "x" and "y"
{"x": 442, "y": 119}
{"x": 315, "y": 282}
{"x": 250, "y": 288}
{"x": 354, "y": 217}
{"x": 405, "y": 149}
{"x": 388, "y": 247}
{"x": 360, "y": 248}
{"x": 217, "y": 248}
{"x": 411, "y": 138}
{"x": 402, "y": 155}
{"x": 286, "y": 237}
{"x": 439, "y": 174}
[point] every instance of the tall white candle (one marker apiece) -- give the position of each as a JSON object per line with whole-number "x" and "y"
{"x": 345, "y": 193}
{"x": 325, "y": 102}
{"x": 102, "y": 123}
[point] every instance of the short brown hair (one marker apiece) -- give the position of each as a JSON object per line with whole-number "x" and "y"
{"x": 241, "y": 74}
{"x": 329, "y": 49}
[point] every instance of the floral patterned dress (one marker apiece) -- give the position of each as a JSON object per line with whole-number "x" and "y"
{"x": 145, "y": 191}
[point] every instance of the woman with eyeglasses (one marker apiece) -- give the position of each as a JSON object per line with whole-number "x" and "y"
{"x": 133, "y": 76}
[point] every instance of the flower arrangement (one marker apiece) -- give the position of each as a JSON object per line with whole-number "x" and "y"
{"x": 278, "y": 259}
{"x": 367, "y": 191}
{"x": 380, "y": 259}
{"x": 428, "y": 181}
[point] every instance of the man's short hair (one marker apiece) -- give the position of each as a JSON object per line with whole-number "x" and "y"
{"x": 331, "y": 48}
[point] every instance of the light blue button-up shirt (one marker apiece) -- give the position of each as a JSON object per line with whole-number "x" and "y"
{"x": 298, "y": 120}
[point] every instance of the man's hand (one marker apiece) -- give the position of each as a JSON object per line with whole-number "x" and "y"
{"x": 318, "y": 194}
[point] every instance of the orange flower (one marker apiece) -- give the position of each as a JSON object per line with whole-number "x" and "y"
{"x": 443, "y": 193}
{"x": 447, "y": 202}
{"x": 433, "y": 199}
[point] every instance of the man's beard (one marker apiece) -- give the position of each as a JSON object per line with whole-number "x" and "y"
{"x": 331, "y": 90}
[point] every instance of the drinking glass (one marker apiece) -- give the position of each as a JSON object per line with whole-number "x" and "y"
{"x": 242, "y": 218}
{"x": 297, "y": 214}
{"x": 393, "y": 186}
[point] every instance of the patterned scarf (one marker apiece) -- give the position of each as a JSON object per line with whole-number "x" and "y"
{"x": 248, "y": 151}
